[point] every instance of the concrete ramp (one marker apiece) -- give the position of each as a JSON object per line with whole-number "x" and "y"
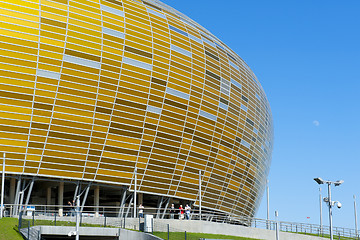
{"x": 86, "y": 233}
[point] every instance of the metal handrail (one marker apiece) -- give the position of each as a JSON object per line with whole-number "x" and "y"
{"x": 206, "y": 215}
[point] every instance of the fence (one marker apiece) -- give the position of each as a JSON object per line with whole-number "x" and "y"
{"x": 110, "y": 216}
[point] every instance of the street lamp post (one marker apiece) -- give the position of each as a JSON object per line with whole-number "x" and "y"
{"x": 356, "y": 226}
{"x": 2, "y": 188}
{"x": 135, "y": 182}
{"x": 320, "y": 201}
{"x": 329, "y": 201}
{"x": 200, "y": 195}
{"x": 267, "y": 204}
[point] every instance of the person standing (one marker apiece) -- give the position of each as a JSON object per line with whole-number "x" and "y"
{"x": 187, "y": 211}
{"x": 141, "y": 211}
{"x": 181, "y": 212}
{"x": 172, "y": 211}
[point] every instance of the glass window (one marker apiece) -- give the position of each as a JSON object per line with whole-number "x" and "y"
{"x": 195, "y": 39}
{"x": 234, "y": 65}
{"x": 112, "y": 10}
{"x": 156, "y": 13}
{"x": 225, "y": 86}
{"x": 243, "y": 107}
{"x": 223, "y": 106}
{"x": 153, "y": 109}
{"x": 219, "y": 46}
{"x": 81, "y": 61}
{"x": 180, "y": 50}
{"x": 209, "y": 42}
{"x": 255, "y": 131}
{"x": 47, "y": 74}
{"x": 137, "y": 63}
{"x": 113, "y": 32}
{"x": 245, "y": 143}
{"x": 207, "y": 115}
{"x": 177, "y": 93}
{"x": 178, "y": 30}
{"x": 235, "y": 83}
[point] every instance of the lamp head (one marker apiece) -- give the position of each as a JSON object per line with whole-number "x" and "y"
{"x": 319, "y": 181}
{"x": 338, "y": 182}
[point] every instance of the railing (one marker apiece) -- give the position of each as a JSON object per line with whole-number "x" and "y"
{"x": 117, "y": 216}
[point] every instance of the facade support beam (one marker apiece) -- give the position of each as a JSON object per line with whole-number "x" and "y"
{"x": 16, "y": 200}
{"x": 122, "y": 203}
{"x": 21, "y": 196}
{"x": 165, "y": 208}
{"x": 158, "y": 212}
{"x": 76, "y": 192}
{"x": 29, "y": 193}
{"x": 129, "y": 206}
{"x": 2, "y": 187}
{"x": 85, "y": 196}
{"x": 61, "y": 198}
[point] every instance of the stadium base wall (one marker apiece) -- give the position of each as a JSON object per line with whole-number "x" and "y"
{"x": 226, "y": 229}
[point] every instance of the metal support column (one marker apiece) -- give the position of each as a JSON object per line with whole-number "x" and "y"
{"x": 61, "y": 198}
{"x": 76, "y": 191}
{"x": 135, "y": 189}
{"x": 129, "y": 207}
{"x": 200, "y": 194}
{"x": 2, "y": 187}
{"x": 12, "y": 189}
{"x": 122, "y": 204}
{"x": 29, "y": 193}
{"x": 16, "y": 200}
{"x": 97, "y": 200}
{"x": 165, "y": 208}
{"x": 85, "y": 196}
{"x": 159, "y": 207}
{"x": 48, "y": 197}
{"x": 21, "y": 196}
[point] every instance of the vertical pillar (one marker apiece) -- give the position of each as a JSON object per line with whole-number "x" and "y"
{"x": 200, "y": 194}
{"x": 12, "y": 190}
{"x": 29, "y": 193}
{"x": 122, "y": 203}
{"x": 85, "y": 197}
{"x": 135, "y": 195}
{"x": 16, "y": 200}
{"x": 48, "y": 197}
{"x": 141, "y": 198}
{"x": 96, "y": 200}
{"x": 61, "y": 198}
{"x": 12, "y": 193}
{"x": 2, "y": 188}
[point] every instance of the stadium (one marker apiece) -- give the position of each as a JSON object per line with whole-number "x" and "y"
{"x": 127, "y": 102}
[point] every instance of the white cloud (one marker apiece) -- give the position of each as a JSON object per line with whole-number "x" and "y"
{"x": 316, "y": 123}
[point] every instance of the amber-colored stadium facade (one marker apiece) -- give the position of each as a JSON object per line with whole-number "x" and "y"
{"x": 92, "y": 89}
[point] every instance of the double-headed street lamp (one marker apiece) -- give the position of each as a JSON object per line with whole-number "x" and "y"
{"x": 328, "y": 199}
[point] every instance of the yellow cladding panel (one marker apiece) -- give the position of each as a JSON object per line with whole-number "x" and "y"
{"x": 54, "y": 4}
{"x": 114, "y": 173}
{"x": 167, "y": 110}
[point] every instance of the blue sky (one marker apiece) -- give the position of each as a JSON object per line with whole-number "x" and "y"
{"x": 306, "y": 55}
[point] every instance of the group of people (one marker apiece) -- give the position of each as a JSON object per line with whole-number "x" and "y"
{"x": 182, "y": 212}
